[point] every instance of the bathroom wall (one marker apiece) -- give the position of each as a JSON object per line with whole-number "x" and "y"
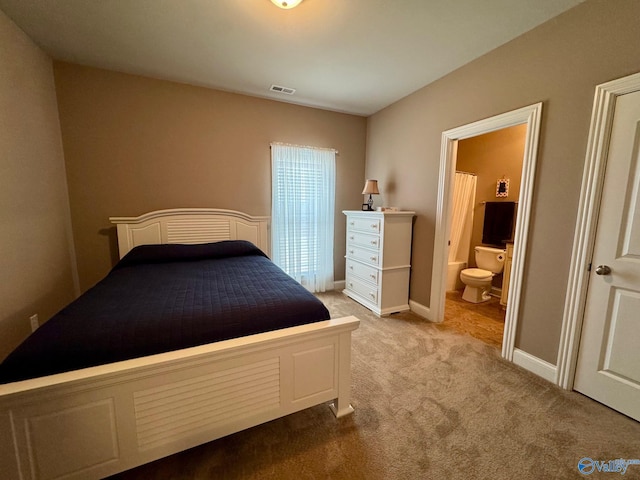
{"x": 491, "y": 156}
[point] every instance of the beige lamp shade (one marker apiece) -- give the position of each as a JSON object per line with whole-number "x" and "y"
{"x": 371, "y": 187}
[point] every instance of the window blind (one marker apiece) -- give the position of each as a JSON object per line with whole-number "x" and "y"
{"x": 303, "y": 204}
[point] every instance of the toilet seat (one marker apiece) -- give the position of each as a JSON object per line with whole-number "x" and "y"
{"x": 477, "y": 273}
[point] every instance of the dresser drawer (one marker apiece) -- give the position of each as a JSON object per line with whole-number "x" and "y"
{"x": 364, "y": 272}
{"x": 371, "y": 225}
{"x": 364, "y": 240}
{"x": 363, "y": 289}
{"x": 368, "y": 256}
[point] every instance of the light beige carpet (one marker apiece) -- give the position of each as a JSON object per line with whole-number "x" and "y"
{"x": 429, "y": 404}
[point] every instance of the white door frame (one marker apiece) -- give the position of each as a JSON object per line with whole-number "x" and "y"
{"x": 530, "y": 116}
{"x": 584, "y": 238}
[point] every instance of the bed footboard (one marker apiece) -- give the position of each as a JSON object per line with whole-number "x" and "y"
{"x": 103, "y": 420}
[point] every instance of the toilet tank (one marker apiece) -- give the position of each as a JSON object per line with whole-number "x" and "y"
{"x": 489, "y": 258}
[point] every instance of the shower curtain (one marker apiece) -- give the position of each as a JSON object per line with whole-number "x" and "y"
{"x": 464, "y": 193}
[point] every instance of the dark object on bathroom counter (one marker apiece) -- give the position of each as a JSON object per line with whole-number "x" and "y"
{"x": 498, "y": 222}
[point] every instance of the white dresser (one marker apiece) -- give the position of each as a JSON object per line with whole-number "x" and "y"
{"x": 378, "y": 259}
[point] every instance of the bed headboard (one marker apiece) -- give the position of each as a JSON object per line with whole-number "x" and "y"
{"x": 190, "y": 225}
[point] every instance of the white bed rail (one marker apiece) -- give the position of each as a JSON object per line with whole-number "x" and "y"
{"x": 102, "y": 420}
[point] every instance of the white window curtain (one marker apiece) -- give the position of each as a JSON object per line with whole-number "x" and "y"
{"x": 302, "y": 213}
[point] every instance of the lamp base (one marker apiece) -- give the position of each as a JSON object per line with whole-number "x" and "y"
{"x": 366, "y": 207}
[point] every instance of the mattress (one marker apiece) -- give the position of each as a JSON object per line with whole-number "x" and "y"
{"x": 160, "y": 298}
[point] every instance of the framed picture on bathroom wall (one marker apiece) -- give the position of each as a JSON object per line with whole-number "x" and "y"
{"x": 502, "y": 188}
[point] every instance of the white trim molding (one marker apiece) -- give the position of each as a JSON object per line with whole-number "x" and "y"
{"x": 420, "y": 310}
{"x": 586, "y": 223}
{"x": 531, "y": 116}
{"x": 535, "y": 365}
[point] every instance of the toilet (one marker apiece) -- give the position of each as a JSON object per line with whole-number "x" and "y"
{"x": 490, "y": 262}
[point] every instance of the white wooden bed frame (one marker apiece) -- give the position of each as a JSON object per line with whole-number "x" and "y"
{"x": 99, "y": 421}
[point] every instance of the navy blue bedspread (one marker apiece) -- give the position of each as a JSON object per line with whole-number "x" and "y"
{"x": 166, "y": 297}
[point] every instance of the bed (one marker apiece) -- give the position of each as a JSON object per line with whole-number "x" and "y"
{"x": 97, "y": 419}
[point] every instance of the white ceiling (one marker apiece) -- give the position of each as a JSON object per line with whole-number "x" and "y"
{"x": 354, "y": 56}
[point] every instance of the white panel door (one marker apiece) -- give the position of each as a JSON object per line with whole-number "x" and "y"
{"x": 608, "y": 368}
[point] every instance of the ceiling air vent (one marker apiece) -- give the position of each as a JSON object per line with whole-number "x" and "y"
{"x": 279, "y": 89}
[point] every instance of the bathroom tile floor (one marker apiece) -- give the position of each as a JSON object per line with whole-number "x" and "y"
{"x": 484, "y": 321}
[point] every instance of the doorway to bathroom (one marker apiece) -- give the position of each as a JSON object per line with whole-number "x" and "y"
{"x": 529, "y": 117}
{"x": 486, "y": 188}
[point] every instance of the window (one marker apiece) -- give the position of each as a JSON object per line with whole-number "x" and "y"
{"x": 302, "y": 213}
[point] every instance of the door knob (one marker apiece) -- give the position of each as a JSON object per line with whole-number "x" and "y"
{"x": 603, "y": 270}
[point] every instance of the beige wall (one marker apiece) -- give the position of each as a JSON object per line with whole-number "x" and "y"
{"x": 492, "y": 156}
{"x": 558, "y": 63}
{"x": 36, "y": 274}
{"x": 134, "y": 144}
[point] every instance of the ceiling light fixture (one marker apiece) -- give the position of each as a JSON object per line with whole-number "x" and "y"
{"x": 286, "y": 4}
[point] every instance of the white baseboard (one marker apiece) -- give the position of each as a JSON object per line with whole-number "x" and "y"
{"x": 535, "y": 365}
{"x": 420, "y": 310}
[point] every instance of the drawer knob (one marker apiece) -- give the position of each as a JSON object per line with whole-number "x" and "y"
{"x": 373, "y": 295}
{"x": 351, "y": 237}
{"x": 374, "y": 242}
{"x": 350, "y": 267}
{"x": 373, "y": 259}
{"x": 352, "y": 223}
{"x": 372, "y": 276}
{"x": 374, "y": 225}
{"x": 350, "y": 284}
{"x": 351, "y": 252}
